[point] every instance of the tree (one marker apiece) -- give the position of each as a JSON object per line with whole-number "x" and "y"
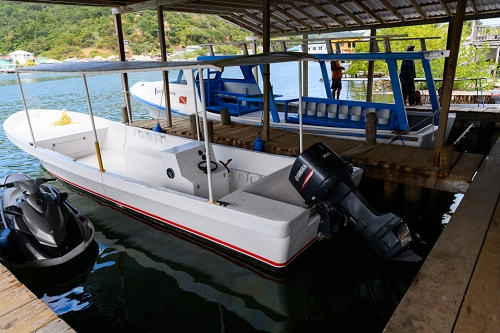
{"x": 472, "y": 63}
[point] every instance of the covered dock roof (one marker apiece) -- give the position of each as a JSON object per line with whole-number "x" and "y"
{"x": 288, "y": 17}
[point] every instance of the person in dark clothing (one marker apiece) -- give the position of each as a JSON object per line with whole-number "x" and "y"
{"x": 407, "y": 78}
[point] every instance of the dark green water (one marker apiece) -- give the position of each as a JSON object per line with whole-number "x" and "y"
{"x": 138, "y": 278}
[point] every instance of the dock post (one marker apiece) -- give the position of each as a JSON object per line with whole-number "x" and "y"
{"x": 371, "y": 129}
{"x": 390, "y": 194}
{"x": 445, "y": 158}
{"x": 225, "y": 118}
{"x": 124, "y": 114}
{"x": 210, "y": 128}
{"x": 192, "y": 125}
{"x": 413, "y": 197}
{"x": 485, "y": 137}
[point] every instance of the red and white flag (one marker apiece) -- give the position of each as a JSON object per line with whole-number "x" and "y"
{"x": 182, "y": 99}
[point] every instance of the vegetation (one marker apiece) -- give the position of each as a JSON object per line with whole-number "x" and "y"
{"x": 61, "y": 32}
{"x": 471, "y": 62}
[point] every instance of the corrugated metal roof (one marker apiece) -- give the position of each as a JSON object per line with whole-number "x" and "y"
{"x": 290, "y": 17}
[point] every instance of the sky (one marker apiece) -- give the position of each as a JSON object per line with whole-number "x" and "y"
{"x": 491, "y": 21}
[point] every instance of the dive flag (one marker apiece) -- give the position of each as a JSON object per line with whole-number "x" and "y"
{"x": 182, "y": 99}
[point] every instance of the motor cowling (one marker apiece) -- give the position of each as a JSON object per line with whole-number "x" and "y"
{"x": 317, "y": 171}
{"x": 323, "y": 179}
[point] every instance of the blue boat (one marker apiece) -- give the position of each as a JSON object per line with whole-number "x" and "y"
{"x": 237, "y": 90}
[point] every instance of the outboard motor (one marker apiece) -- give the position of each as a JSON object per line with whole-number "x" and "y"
{"x": 324, "y": 179}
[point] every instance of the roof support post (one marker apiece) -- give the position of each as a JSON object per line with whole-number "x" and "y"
{"x": 305, "y": 67}
{"x": 371, "y": 68}
{"x": 26, "y": 109}
{"x": 449, "y": 77}
{"x": 266, "y": 36}
{"x": 163, "y": 50}
{"x": 96, "y": 141}
{"x": 121, "y": 52}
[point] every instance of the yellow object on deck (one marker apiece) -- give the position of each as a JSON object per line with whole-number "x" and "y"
{"x": 64, "y": 120}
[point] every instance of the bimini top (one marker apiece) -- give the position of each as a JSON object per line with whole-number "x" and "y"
{"x": 107, "y": 67}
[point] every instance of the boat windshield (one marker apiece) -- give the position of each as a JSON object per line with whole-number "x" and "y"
{"x": 176, "y": 76}
{"x": 233, "y": 72}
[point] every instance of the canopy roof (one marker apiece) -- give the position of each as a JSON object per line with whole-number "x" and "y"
{"x": 289, "y": 17}
{"x": 107, "y": 67}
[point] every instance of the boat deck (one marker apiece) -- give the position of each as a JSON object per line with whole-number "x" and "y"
{"x": 403, "y": 164}
{"x": 457, "y": 288}
{"x": 22, "y": 311}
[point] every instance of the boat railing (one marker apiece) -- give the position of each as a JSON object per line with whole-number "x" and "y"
{"x": 285, "y": 44}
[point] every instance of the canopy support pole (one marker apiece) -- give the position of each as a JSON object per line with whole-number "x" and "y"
{"x": 96, "y": 141}
{"x": 163, "y": 50}
{"x": 195, "y": 98}
{"x": 266, "y": 43}
{"x": 449, "y": 77}
{"x": 121, "y": 52}
{"x": 205, "y": 136}
{"x": 26, "y": 109}
{"x": 300, "y": 107}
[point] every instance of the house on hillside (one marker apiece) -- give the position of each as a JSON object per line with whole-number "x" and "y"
{"x": 487, "y": 36}
{"x": 317, "y": 47}
{"x": 7, "y": 64}
{"x": 21, "y": 56}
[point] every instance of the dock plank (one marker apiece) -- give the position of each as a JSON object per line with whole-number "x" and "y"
{"x": 56, "y": 326}
{"x": 480, "y": 311}
{"x": 7, "y": 278}
{"x": 404, "y": 164}
{"x": 14, "y": 298}
{"x": 398, "y": 157}
{"x": 28, "y": 318}
{"x": 433, "y": 300}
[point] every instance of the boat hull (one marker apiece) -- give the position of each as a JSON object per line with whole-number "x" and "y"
{"x": 147, "y": 93}
{"x": 258, "y": 227}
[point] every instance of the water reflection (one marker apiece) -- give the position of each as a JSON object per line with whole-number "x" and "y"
{"x": 11, "y": 79}
{"x": 144, "y": 279}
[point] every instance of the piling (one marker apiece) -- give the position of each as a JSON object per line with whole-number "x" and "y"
{"x": 371, "y": 129}
{"x": 225, "y": 117}
{"x": 124, "y": 115}
{"x": 485, "y": 137}
{"x": 445, "y": 158}
{"x": 390, "y": 194}
{"x": 192, "y": 125}
{"x": 210, "y": 127}
{"x": 413, "y": 197}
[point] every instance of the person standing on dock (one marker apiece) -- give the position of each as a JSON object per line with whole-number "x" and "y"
{"x": 337, "y": 72}
{"x": 407, "y": 78}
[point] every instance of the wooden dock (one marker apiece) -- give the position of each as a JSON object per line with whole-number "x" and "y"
{"x": 21, "y": 311}
{"x": 402, "y": 164}
{"x": 458, "y": 287}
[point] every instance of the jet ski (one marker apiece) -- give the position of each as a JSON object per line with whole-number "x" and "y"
{"x": 40, "y": 227}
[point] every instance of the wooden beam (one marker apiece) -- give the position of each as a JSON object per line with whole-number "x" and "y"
{"x": 299, "y": 20}
{"x": 235, "y": 19}
{"x": 393, "y": 10}
{"x": 328, "y": 14}
{"x": 369, "y": 11}
{"x": 449, "y": 78}
{"x": 311, "y": 17}
{"x": 341, "y": 8}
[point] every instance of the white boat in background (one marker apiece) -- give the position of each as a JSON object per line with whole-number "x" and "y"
{"x": 237, "y": 90}
{"x": 265, "y": 209}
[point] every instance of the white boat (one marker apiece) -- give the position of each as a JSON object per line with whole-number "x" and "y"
{"x": 237, "y": 90}
{"x": 266, "y": 209}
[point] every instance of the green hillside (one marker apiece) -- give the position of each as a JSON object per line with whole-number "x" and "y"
{"x": 60, "y": 32}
